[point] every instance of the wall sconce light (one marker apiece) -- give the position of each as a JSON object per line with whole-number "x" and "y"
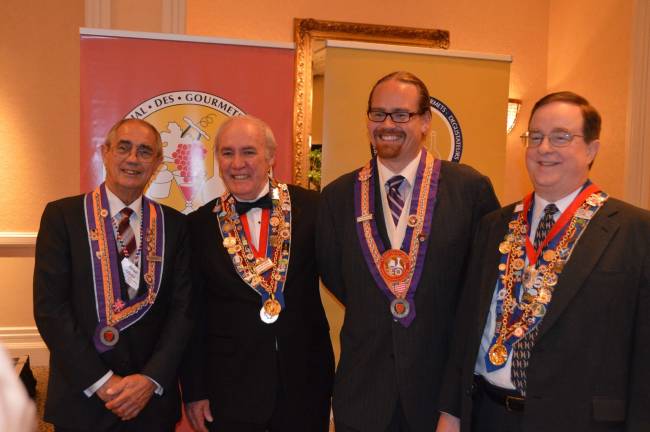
{"x": 513, "y": 109}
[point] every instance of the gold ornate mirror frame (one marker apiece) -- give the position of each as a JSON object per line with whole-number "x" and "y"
{"x": 305, "y": 31}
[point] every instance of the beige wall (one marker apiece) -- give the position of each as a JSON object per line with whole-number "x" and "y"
{"x": 39, "y": 126}
{"x": 499, "y": 27}
{"x": 584, "y": 46}
{"x": 589, "y": 52}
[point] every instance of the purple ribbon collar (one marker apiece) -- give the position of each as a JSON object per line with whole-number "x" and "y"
{"x": 115, "y": 313}
{"x": 415, "y": 242}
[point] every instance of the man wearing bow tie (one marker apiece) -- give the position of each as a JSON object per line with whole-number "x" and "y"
{"x": 112, "y": 296}
{"x": 261, "y": 358}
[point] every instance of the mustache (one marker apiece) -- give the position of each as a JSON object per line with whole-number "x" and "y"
{"x": 393, "y": 131}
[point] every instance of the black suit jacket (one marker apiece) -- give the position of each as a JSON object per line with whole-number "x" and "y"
{"x": 588, "y": 369}
{"x": 381, "y": 361}
{"x": 233, "y": 360}
{"x": 64, "y": 310}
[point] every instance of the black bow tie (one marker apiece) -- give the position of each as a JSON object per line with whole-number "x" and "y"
{"x": 243, "y": 207}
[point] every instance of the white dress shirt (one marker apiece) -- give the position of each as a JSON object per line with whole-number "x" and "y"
{"x": 396, "y": 232}
{"x": 501, "y": 377}
{"x": 254, "y": 217}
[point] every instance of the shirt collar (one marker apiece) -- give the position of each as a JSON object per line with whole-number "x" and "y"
{"x": 116, "y": 205}
{"x": 408, "y": 172}
{"x": 561, "y": 204}
{"x": 265, "y": 191}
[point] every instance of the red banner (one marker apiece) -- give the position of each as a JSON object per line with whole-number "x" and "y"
{"x": 186, "y": 89}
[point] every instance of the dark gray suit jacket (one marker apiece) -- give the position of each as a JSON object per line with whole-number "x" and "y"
{"x": 381, "y": 361}
{"x": 240, "y": 363}
{"x": 589, "y": 367}
{"x": 64, "y": 310}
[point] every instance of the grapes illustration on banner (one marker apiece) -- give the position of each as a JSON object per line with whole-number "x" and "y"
{"x": 187, "y": 121}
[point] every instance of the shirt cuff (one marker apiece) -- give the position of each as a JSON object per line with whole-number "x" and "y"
{"x": 98, "y": 384}
{"x": 159, "y": 390}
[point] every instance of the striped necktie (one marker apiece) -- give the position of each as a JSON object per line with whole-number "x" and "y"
{"x": 521, "y": 349}
{"x": 125, "y": 234}
{"x": 395, "y": 199}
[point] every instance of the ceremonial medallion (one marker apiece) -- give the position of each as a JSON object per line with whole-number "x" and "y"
{"x": 272, "y": 307}
{"x": 229, "y": 242}
{"x": 266, "y": 318}
{"x": 504, "y": 247}
{"x": 395, "y": 265}
{"x": 109, "y": 336}
{"x": 549, "y": 255}
{"x": 399, "y": 308}
{"x": 498, "y": 354}
{"x": 412, "y": 220}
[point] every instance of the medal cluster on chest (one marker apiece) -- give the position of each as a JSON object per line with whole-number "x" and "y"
{"x": 263, "y": 268}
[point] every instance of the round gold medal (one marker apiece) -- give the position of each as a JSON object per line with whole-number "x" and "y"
{"x": 412, "y": 221}
{"x": 549, "y": 255}
{"x": 229, "y": 242}
{"x": 498, "y": 354}
{"x": 518, "y": 264}
{"x": 504, "y": 247}
{"x": 272, "y": 307}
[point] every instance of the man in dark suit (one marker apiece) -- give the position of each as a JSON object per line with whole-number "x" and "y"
{"x": 261, "y": 359}
{"x": 392, "y": 241}
{"x": 554, "y": 320}
{"x": 111, "y": 296}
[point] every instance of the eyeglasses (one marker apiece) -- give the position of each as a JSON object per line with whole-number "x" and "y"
{"x": 143, "y": 152}
{"x": 533, "y": 139}
{"x": 396, "y": 117}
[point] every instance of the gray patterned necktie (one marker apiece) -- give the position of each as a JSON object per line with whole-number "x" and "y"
{"x": 521, "y": 350}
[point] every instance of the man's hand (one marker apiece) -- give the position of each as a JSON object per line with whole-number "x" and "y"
{"x": 130, "y": 396}
{"x": 102, "y": 391}
{"x": 448, "y": 423}
{"x": 197, "y": 413}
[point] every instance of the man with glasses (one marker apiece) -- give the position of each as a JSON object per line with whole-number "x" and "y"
{"x": 111, "y": 296}
{"x": 554, "y": 321}
{"x": 391, "y": 242}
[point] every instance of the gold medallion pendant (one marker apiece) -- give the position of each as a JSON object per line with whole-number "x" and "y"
{"x": 498, "y": 354}
{"x": 270, "y": 311}
{"x": 395, "y": 265}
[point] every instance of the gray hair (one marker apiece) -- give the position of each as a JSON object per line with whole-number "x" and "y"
{"x": 269, "y": 139}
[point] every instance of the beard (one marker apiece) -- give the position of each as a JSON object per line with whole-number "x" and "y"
{"x": 388, "y": 149}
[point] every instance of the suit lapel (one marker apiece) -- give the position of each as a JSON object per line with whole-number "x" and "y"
{"x": 379, "y": 212}
{"x": 585, "y": 255}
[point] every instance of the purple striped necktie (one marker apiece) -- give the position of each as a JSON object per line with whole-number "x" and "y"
{"x": 395, "y": 199}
